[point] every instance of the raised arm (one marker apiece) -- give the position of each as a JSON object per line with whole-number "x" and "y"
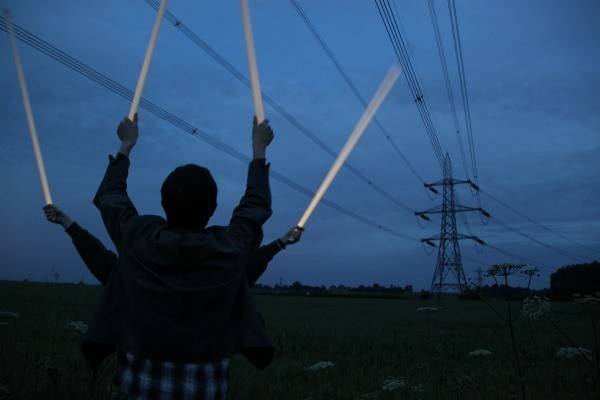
{"x": 99, "y": 260}
{"x": 261, "y": 258}
{"x": 111, "y": 198}
{"x": 255, "y": 206}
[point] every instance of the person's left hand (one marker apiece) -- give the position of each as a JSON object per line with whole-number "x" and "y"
{"x": 292, "y": 236}
{"x": 128, "y": 134}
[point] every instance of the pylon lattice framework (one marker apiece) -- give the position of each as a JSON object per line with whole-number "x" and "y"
{"x": 448, "y": 259}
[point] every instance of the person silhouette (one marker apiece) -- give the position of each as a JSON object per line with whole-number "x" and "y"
{"x": 176, "y": 305}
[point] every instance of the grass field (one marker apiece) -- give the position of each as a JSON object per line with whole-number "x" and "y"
{"x": 368, "y": 340}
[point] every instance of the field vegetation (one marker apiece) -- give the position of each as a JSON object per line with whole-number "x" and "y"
{"x": 369, "y": 348}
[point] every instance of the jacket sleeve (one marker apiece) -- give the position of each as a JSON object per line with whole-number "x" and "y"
{"x": 254, "y": 208}
{"x": 99, "y": 260}
{"x": 259, "y": 260}
{"x": 112, "y": 200}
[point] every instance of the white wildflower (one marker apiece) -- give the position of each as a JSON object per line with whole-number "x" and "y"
{"x": 390, "y": 385}
{"x": 535, "y": 307}
{"x": 480, "y": 353}
{"x": 428, "y": 309}
{"x": 569, "y": 353}
{"x": 418, "y": 388}
{"x": 321, "y": 365}
{"x": 9, "y": 314}
{"x": 44, "y": 363}
{"x": 78, "y": 326}
{"x": 369, "y": 396}
{"x": 588, "y": 299}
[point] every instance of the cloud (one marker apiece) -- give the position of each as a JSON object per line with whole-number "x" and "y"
{"x": 533, "y": 103}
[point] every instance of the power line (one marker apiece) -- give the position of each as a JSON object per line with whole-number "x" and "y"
{"x": 526, "y": 236}
{"x": 397, "y": 39}
{"x": 211, "y": 52}
{"x": 399, "y": 46}
{"x": 92, "y": 74}
{"x": 464, "y": 217}
{"x": 466, "y": 107}
{"x": 525, "y": 260}
{"x": 467, "y": 114}
{"x": 351, "y": 84}
{"x": 528, "y": 218}
{"x": 393, "y": 32}
{"x": 463, "y": 85}
{"x": 466, "y": 102}
{"x": 506, "y": 252}
{"x": 444, "y": 64}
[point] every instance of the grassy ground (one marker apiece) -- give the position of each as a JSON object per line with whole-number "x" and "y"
{"x": 368, "y": 340}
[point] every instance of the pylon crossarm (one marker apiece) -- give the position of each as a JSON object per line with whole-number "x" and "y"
{"x": 461, "y": 182}
{"x": 422, "y": 215}
{"x": 460, "y": 208}
{"x": 450, "y": 181}
{"x": 431, "y": 185}
{"x": 432, "y": 189}
{"x": 434, "y": 210}
{"x": 431, "y": 238}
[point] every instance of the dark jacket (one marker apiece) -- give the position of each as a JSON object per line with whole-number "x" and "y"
{"x": 176, "y": 294}
{"x": 100, "y": 260}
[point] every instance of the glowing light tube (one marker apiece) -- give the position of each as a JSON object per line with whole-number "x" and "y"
{"x": 147, "y": 59}
{"x": 359, "y": 129}
{"x": 259, "y": 109}
{"x": 28, "y": 112}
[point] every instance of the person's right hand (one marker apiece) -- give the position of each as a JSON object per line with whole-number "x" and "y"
{"x": 262, "y": 136}
{"x": 57, "y": 216}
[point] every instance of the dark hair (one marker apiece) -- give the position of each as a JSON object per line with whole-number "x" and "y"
{"x": 189, "y": 196}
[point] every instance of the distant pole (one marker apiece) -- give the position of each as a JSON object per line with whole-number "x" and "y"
{"x": 479, "y": 276}
{"x": 259, "y": 110}
{"x": 356, "y": 134}
{"x": 139, "y": 88}
{"x": 28, "y": 112}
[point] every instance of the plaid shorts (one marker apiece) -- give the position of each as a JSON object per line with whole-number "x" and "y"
{"x": 143, "y": 379}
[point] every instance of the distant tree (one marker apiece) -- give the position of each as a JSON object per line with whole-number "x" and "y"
{"x": 297, "y": 286}
{"x": 408, "y": 289}
{"x": 579, "y": 278}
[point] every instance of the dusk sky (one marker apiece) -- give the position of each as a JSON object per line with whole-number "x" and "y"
{"x": 533, "y": 74}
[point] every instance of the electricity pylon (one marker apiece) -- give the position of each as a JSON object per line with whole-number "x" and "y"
{"x": 448, "y": 259}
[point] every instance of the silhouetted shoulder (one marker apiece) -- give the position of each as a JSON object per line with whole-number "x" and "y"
{"x": 150, "y": 240}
